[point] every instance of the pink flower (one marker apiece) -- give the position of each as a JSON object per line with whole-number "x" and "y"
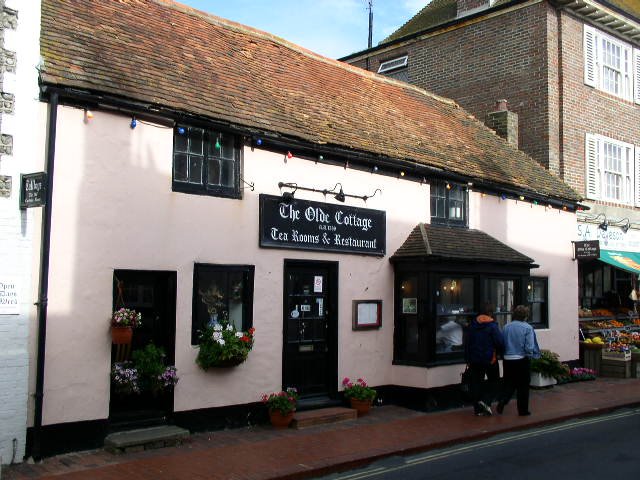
{"x": 345, "y": 381}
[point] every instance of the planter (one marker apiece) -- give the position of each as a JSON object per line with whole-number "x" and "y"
{"x": 229, "y": 362}
{"x": 361, "y": 406}
{"x": 121, "y": 335}
{"x": 540, "y": 380}
{"x": 278, "y": 420}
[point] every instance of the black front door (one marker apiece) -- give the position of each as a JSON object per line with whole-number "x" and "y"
{"x": 153, "y": 294}
{"x": 310, "y": 328}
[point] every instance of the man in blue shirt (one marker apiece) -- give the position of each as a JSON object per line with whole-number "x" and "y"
{"x": 520, "y": 346}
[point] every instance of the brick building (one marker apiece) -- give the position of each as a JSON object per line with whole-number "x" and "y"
{"x": 19, "y": 135}
{"x": 570, "y": 71}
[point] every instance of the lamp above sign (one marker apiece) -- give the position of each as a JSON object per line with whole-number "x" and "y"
{"x": 33, "y": 189}
{"x": 587, "y": 250}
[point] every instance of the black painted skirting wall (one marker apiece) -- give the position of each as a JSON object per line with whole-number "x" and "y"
{"x": 77, "y": 436}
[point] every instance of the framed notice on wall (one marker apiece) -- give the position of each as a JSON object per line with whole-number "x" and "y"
{"x": 367, "y": 314}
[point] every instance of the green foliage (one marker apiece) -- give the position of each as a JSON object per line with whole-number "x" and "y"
{"x": 223, "y": 345}
{"x": 149, "y": 362}
{"x": 549, "y": 364}
{"x": 284, "y": 401}
{"x": 358, "y": 390}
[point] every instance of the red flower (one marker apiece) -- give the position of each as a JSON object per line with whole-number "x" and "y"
{"x": 251, "y": 331}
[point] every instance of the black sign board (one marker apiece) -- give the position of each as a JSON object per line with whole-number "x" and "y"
{"x": 33, "y": 189}
{"x": 587, "y": 250}
{"x": 301, "y": 224}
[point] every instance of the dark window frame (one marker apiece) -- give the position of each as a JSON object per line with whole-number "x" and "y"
{"x": 209, "y": 139}
{"x": 199, "y": 316}
{"x": 428, "y": 276}
{"x": 439, "y": 191}
{"x": 543, "y": 322}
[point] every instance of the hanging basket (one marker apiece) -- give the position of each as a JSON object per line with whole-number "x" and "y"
{"x": 121, "y": 335}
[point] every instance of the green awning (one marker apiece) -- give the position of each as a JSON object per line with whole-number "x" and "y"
{"x": 628, "y": 261}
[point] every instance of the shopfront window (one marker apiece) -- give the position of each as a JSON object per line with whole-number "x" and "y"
{"x": 409, "y": 334}
{"x": 221, "y": 293}
{"x": 501, "y": 293}
{"x": 454, "y": 311}
{"x": 537, "y": 297}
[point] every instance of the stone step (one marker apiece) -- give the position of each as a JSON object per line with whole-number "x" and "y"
{"x": 322, "y": 416}
{"x": 145, "y": 439}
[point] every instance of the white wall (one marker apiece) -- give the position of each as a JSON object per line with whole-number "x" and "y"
{"x": 19, "y": 230}
{"x": 114, "y": 208}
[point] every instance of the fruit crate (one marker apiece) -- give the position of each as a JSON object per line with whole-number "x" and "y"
{"x": 616, "y": 355}
{"x": 635, "y": 365}
{"x": 591, "y": 356}
{"x": 615, "y": 368}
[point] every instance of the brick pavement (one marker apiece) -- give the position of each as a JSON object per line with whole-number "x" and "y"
{"x": 262, "y": 453}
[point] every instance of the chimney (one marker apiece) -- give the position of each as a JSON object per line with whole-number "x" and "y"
{"x": 504, "y": 122}
{"x": 467, "y": 7}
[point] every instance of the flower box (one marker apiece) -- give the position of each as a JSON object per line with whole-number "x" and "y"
{"x": 626, "y": 356}
{"x": 538, "y": 380}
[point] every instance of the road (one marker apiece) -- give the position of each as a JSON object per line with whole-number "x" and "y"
{"x": 600, "y": 448}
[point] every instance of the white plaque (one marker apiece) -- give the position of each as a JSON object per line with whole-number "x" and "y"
{"x": 317, "y": 284}
{"x": 9, "y": 304}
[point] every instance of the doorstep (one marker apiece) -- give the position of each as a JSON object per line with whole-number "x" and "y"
{"x": 322, "y": 416}
{"x": 145, "y": 439}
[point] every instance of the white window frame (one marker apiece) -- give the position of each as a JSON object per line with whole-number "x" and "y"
{"x": 393, "y": 64}
{"x": 596, "y": 65}
{"x": 598, "y": 169}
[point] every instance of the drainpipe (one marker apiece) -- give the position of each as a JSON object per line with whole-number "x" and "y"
{"x": 44, "y": 278}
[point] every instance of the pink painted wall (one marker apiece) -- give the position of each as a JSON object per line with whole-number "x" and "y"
{"x": 114, "y": 209}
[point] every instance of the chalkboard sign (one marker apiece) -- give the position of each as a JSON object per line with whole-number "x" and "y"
{"x": 305, "y": 225}
{"x": 33, "y": 189}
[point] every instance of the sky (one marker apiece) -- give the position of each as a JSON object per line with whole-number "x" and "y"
{"x": 333, "y": 28}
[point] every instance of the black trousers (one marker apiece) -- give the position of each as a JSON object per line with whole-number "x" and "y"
{"x": 517, "y": 376}
{"x": 481, "y": 390}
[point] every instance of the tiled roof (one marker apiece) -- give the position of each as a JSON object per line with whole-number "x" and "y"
{"x": 438, "y": 12}
{"x": 438, "y": 242}
{"x": 166, "y": 54}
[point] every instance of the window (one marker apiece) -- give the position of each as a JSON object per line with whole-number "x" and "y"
{"x": 612, "y": 170}
{"x": 501, "y": 293}
{"x": 395, "y": 68}
{"x": 454, "y": 307}
{"x": 222, "y": 293}
{"x": 206, "y": 162}
{"x": 609, "y": 65}
{"x": 448, "y": 203}
{"x": 537, "y": 297}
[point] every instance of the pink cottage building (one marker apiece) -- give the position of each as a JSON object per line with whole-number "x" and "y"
{"x": 232, "y": 175}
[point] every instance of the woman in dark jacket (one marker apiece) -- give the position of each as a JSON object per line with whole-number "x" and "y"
{"x": 484, "y": 344}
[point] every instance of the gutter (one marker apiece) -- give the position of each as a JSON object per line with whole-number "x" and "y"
{"x": 43, "y": 290}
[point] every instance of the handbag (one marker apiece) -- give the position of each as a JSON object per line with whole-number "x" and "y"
{"x": 465, "y": 382}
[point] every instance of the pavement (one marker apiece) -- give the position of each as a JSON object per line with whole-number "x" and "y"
{"x": 262, "y": 453}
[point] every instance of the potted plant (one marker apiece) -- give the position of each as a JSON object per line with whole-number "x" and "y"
{"x": 360, "y": 395}
{"x": 281, "y": 406}
{"x": 222, "y": 345}
{"x": 123, "y": 321}
{"x": 545, "y": 369}
{"x": 145, "y": 373}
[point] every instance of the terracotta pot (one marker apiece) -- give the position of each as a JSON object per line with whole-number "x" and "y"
{"x": 361, "y": 406}
{"x": 121, "y": 335}
{"x": 278, "y": 420}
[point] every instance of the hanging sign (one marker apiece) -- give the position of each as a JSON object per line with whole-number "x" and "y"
{"x": 587, "y": 250}
{"x": 33, "y": 187}
{"x": 301, "y": 224}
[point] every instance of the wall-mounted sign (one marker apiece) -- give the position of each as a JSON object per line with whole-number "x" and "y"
{"x": 33, "y": 188}
{"x": 9, "y": 304}
{"x": 587, "y": 250}
{"x": 301, "y": 224}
